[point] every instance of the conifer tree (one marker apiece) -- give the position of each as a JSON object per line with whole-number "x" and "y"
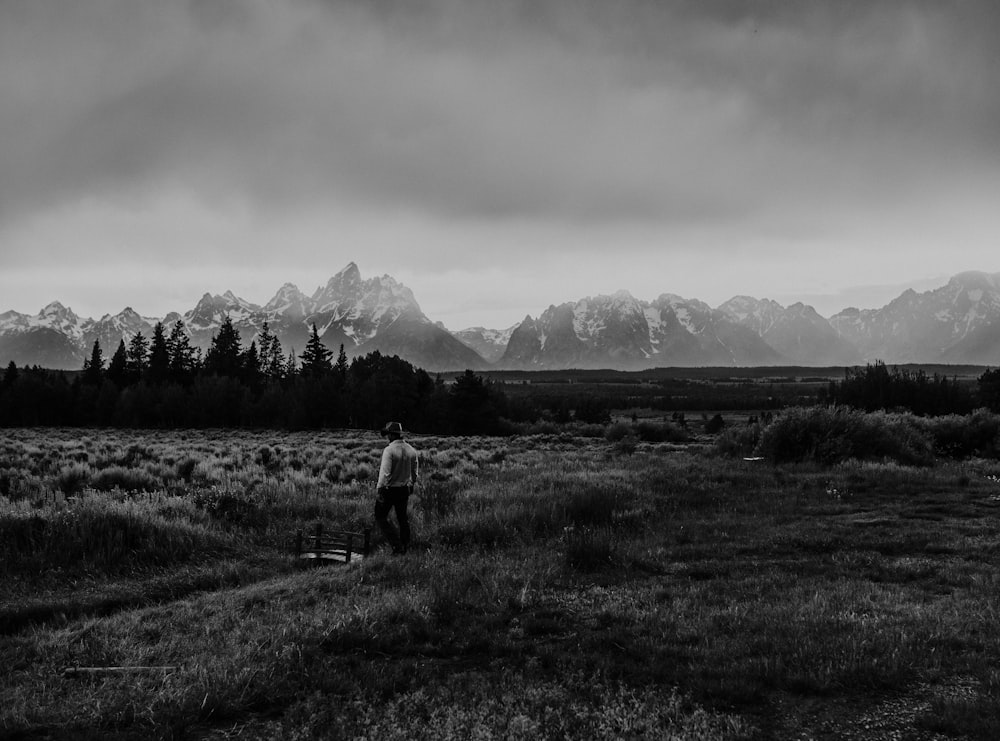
{"x": 251, "y": 363}
{"x": 10, "y": 375}
{"x": 341, "y": 366}
{"x": 118, "y": 367}
{"x": 275, "y": 366}
{"x": 159, "y": 356}
{"x": 225, "y": 355}
{"x": 183, "y": 357}
{"x": 136, "y": 357}
{"x": 271, "y": 358}
{"x": 93, "y": 367}
{"x": 316, "y": 357}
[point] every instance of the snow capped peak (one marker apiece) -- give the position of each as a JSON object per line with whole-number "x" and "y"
{"x": 52, "y": 308}
{"x": 345, "y": 283}
{"x": 288, "y": 299}
{"x": 58, "y": 317}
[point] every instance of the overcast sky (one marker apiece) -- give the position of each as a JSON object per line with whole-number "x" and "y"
{"x": 495, "y": 156}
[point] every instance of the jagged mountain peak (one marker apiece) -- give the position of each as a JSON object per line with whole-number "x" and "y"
{"x": 289, "y": 300}
{"x": 54, "y": 312}
{"x": 957, "y": 322}
{"x": 345, "y": 283}
{"x": 53, "y": 307}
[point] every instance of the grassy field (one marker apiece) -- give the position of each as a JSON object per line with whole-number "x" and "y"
{"x": 559, "y": 587}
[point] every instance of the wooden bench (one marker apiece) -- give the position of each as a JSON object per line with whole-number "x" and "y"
{"x": 322, "y": 546}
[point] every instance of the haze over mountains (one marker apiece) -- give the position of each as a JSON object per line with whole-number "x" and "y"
{"x": 957, "y": 323}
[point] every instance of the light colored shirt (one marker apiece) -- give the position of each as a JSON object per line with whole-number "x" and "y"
{"x": 400, "y": 465}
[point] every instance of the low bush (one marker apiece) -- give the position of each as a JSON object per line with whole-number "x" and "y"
{"x": 618, "y": 431}
{"x": 831, "y": 435}
{"x": 126, "y": 479}
{"x": 963, "y": 436}
{"x": 738, "y": 441}
{"x": 72, "y": 479}
{"x": 665, "y": 432}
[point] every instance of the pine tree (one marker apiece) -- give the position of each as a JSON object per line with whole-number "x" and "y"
{"x": 159, "y": 356}
{"x": 183, "y": 358}
{"x": 251, "y": 363}
{"x": 276, "y": 367}
{"x": 93, "y": 367}
{"x": 118, "y": 367}
{"x": 137, "y": 357}
{"x": 316, "y": 357}
{"x": 271, "y": 359}
{"x": 225, "y": 355}
{"x": 10, "y": 375}
{"x": 341, "y": 367}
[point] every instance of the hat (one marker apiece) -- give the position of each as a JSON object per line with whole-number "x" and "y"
{"x": 392, "y": 428}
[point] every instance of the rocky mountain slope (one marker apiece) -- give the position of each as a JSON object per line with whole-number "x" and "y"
{"x": 958, "y": 323}
{"x": 619, "y": 331}
{"x": 363, "y": 315}
{"x": 796, "y": 332}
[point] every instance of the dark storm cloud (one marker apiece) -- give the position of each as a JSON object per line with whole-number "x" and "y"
{"x": 554, "y": 110}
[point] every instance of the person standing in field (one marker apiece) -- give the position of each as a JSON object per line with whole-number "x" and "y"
{"x": 396, "y": 478}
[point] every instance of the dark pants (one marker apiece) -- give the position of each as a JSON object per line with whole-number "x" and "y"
{"x": 394, "y": 498}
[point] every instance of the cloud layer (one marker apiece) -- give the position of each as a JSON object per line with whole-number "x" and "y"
{"x": 765, "y": 123}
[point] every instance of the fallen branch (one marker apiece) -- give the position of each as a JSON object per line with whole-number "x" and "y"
{"x": 76, "y": 672}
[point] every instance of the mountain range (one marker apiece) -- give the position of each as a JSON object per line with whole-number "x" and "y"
{"x": 958, "y": 323}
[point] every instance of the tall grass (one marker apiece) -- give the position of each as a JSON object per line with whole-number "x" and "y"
{"x": 662, "y": 592}
{"x": 97, "y": 532}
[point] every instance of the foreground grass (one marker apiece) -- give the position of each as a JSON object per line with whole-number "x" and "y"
{"x": 559, "y": 591}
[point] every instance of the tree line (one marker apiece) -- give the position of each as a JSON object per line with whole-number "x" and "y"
{"x": 165, "y": 382}
{"x": 877, "y": 387}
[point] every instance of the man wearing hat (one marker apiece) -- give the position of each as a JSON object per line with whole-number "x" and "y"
{"x": 396, "y": 477}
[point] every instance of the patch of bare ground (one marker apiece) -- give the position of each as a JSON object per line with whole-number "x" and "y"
{"x": 883, "y": 716}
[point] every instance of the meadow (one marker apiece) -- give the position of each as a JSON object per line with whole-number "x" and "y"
{"x": 560, "y": 586}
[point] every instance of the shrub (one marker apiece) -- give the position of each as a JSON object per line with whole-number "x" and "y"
{"x": 831, "y": 435}
{"x": 625, "y": 446}
{"x": 126, "y": 479}
{"x": 714, "y": 425}
{"x": 960, "y": 436}
{"x": 652, "y": 432}
{"x": 738, "y": 442}
{"x": 72, "y": 479}
{"x": 185, "y": 469}
{"x": 230, "y": 505}
{"x": 618, "y": 431}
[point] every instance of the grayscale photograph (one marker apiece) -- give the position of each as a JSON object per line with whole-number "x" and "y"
{"x": 500, "y": 369}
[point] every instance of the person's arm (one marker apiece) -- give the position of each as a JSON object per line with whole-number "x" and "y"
{"x": 385, "y": 469}
{"x": 415, "y": 469}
